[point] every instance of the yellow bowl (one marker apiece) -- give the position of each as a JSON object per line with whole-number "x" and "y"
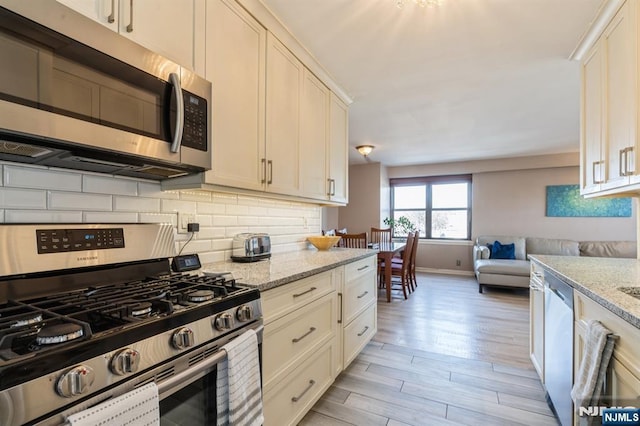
{"x": 323, "y": 242}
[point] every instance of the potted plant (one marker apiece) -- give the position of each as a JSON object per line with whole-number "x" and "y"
{"x": 401, "y": 226}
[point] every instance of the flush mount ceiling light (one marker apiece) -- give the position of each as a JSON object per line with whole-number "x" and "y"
{"x": 364, "y": 149}
{"x": 422, "y": 3}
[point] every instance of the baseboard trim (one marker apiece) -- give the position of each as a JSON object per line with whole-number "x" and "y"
{"x": 446, "y": 271}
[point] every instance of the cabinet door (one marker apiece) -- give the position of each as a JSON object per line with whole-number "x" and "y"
{"x": 314, "y": 108}
{"x": 592, "y": 156}
{"x": 536, "y": 331}
{"x": 623, "y": 386}
{"x": 163, "y": 26}
{"x": 102, "y": 11}
{"x": 284, "y": 81}
{"x": 338, "y": 150}
{"x": 619, "y": 47}
{"x": 235, "y": 65}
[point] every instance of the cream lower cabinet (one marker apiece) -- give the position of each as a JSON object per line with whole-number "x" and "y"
{"x": 359, "y": 308}
{"x": 622, "y": 385}
{"x": 313, "y": 329}
{"x": 536, "y": 319}
{"x": 300, "y": 346}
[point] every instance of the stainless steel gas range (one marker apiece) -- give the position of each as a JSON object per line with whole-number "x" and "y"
{"x": 90, "y": 312}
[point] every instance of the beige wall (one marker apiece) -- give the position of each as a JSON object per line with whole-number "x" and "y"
{"x": 363, "y": 210}
{"x": 509, "y": 198}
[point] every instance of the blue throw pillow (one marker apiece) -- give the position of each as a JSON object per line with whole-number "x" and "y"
{"x": 503, "y": 251}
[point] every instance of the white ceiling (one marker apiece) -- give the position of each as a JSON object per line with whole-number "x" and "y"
{"x": 469, "y": 79}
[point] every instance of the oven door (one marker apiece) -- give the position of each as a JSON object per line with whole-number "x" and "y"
{"x": 186, "y": 386}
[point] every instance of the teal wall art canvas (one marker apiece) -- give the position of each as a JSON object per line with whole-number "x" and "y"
{"x": 566, "y": 201}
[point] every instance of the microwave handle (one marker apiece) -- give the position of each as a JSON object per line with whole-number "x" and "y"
{"x": 174, "y": 79}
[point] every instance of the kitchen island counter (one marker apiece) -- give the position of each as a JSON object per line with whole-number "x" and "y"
{"x": 599, "y": 279}
{"x": 284, "y": 268}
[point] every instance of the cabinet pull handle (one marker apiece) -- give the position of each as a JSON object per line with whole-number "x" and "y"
{"x": 270, "y": 164}
{"x": 297, "y": 398}
{"x": 112, "y": 17}
{"x": 130, "y": 26}
{"x": 622, "y": 153}
{"x": 596, "y": 163}
{"x": 340, "y": 307}
{"x": 333, "y": 187}
{"x": 297, "y": 339}
{"x": 366, "y": 327}
{"x": 329, "y": 189}
{"x": 305, "y": 292}
{"x": 363, "y": 295}
{"x": 363, "y": 268}
{"x": 628, "y": 172}
{"x": 263, "y": 161}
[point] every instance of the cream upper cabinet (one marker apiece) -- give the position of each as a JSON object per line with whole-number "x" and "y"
{"x": 285, "y": 75}
{"x": 338, "y": 160}
{"x": 235, "y": 64}
{"x": 172, "y": 29}
{"x": 610, "y": 107}
{"x": 314, "y": 136}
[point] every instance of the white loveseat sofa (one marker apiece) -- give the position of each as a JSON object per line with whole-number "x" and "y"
{"x": 515, "y": 272}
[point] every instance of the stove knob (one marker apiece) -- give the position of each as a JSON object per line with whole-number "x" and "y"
{"x": 244, "y": 313}
{"x": 183, "y": 338}
{"x": 125, "y": 361}
{"x": 75, "y": 381}
{"x": 223, "y": 322}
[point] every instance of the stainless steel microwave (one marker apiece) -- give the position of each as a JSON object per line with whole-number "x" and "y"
{"x": 77, "y": 95}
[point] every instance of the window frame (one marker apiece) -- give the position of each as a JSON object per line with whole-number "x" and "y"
{"x": 428, "y": 182}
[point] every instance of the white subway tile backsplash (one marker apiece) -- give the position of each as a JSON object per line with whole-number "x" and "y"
{"x": 136, "y": 204}
{"x": 78, "y": 201}
{"x": 109, "y": 185}
{"x": 42, "y": 178}
{"x": 167, "y": 206}
{"x": 11, "y": 198}
{"x": 39, "y": 194}
{"x": 211, "y": 208}
{"x": 110, "y": 217}
{"x": 171, "y": 218}
{"x": 154, "y": 190}
{"x": 42, "y": 216}
{"x": 202, "y": 196}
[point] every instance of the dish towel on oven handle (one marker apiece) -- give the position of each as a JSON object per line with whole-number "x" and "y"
{"x": 238, "y": 386}
{"x": 140, "y": 407}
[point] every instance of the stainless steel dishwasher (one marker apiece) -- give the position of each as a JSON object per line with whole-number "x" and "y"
{"x": 558, "y": 347}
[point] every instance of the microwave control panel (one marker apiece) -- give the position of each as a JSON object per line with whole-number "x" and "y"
{"x": 65, "y": 240}
{"x": 195, "y": 121}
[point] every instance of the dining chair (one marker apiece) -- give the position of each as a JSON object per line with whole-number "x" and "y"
{"x": 412, "y": 261}
{"x": 353, "y": 240}
{"x": 402, "y": 270}
{"x": 380, "y": 235}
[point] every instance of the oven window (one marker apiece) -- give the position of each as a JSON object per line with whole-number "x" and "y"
{"x": 193, "y": 405}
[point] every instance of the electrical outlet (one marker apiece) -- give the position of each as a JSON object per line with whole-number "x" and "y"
{"x": 305, "y": 223}
{"x": 458, "y": 263}
{"x": 185, "y": 219}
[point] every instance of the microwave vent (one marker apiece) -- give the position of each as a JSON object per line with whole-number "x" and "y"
{"x": 164, "y": 172}
{"x": 22, "y": 150}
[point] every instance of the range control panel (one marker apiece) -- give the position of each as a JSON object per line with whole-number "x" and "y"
{"x": 64, "y": 240}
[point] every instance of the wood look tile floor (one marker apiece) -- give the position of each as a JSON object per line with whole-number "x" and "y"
{"x": 446, "y": 356}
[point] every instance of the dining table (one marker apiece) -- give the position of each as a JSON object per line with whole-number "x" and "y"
{"x": 386, "y": 251}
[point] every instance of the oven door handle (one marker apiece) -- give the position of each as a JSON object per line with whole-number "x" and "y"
{"x": 198, "y": 370}
{"x": 187, "y": 375}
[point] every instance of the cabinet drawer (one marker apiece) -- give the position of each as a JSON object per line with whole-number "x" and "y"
{"x": 294, "y": 336}
{"x": 289, "y": 297}
{"x": 359, "y": 333}
{"x": 359, "y": 267}
{"x": 288, "y": 402}
{"x": 358, "y": 294}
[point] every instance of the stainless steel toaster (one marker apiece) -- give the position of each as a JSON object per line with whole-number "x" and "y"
{"x": 251, "y": 247}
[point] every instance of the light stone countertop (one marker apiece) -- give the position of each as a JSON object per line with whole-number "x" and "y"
{"x": 283, "y": 268}
{"x": 599, "y": 278}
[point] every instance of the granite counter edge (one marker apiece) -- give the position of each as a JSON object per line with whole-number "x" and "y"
{"x": 605, "y": 303}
